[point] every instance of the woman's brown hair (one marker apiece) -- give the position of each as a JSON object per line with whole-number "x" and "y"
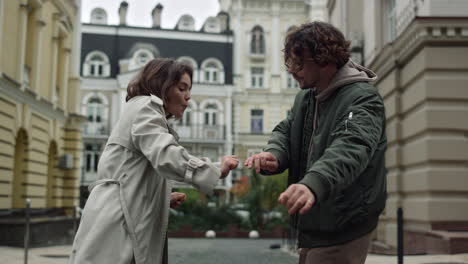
{"x": 319, "y": 41}
{"x": 157, "y": 77}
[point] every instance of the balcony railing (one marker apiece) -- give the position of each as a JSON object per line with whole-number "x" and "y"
{"x": 91, "y": 129}
{"x": 201, "y": 132}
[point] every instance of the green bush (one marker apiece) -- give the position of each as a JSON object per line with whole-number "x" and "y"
{"x": 196, "y": 213}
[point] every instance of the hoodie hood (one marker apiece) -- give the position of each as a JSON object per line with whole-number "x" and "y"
{"x": 350, "y": 73}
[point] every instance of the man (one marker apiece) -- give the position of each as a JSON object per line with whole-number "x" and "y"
{"x": 333, "y": 143}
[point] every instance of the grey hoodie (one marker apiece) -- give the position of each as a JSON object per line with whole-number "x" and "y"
{"x": 351, "y": 72}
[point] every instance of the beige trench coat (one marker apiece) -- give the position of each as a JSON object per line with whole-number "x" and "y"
{"x": 126, "y": 214}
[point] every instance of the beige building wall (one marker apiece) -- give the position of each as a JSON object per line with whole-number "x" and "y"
{"x": 38, "y": 88}
{"x": 420, "y": 53}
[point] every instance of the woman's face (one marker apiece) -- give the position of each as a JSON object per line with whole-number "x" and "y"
{"x": 178, "y": 97}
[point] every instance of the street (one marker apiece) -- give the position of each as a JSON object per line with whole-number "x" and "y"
{"x": 217, "y": 250}
{"x": 227, "y": 251}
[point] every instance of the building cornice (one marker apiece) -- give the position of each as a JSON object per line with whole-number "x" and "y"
{"x": 156, "y": 33}
{"x": 420, "y": 33}
{"x": 12, "y": 90}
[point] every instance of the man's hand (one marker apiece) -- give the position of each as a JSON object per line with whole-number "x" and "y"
{"x": 297, "y": 197}
{"x": 177, "y": 199}
{"x": 262, "y": 161}
{"x": 228, "y": 163}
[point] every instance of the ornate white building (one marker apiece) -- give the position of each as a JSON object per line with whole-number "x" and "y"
{"x": 113, "y": 54}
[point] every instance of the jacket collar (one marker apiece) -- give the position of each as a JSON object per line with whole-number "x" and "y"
{"x": 157, "y": 100}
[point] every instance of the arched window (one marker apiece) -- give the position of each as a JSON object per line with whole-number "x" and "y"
{"x": 257, "y": 44}
{"x": 186, "y": 22}
{"x": 98, "y": 16}
{"x": 212, "y": 25}
{"x": 142, "y": 56}
{"x": 212, "y": 71}
{"x": 96, "y": 65}
{"x": 95, "y": 106}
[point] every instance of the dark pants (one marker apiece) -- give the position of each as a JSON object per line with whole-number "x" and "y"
{"x": 353, "y": 252}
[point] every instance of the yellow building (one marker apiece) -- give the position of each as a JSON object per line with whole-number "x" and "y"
{"x": 40, "y": 141}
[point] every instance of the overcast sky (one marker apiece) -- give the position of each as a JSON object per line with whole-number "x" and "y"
{"x": 139, "y": 11}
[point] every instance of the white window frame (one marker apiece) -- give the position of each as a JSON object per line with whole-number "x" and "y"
{"x": 137, "y": 57}
{"x": 91, "y": 157}
{"x": 391, "y": 20}
{"x": 210, "y": 74}
{"x": 257, "y": 42}
{"x": 291, "y": 83}
{"x": 98, "y": 16}
{"x": 257, "y": 117}
{"x": 257, "y": 79}
{"x": 91, "y": 67}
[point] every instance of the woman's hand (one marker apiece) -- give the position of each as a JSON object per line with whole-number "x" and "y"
{"x": 228, "y": 163}
{"x": 177, "y": 199}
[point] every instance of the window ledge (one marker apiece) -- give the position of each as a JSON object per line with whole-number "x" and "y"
{"x": 257, "y": 56}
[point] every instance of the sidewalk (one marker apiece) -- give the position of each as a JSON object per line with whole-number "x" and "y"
{"x": 59, "y": 255}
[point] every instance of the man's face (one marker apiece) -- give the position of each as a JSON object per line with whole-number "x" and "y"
{"x": 307, "y": 75}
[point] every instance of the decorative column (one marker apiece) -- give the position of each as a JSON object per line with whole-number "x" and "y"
{"x": 1, "y": 32}
{"x": 53, "y": 69}
{"x": 37, "y": 54}
{"x": 239, "y": 35}
{"x": 22, "y": 30}
{"x": 275, "y": 51}
{"x": 65, "y": 75}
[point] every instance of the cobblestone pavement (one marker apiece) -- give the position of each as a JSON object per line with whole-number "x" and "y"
{"x": 227, "y": 251}
{"x": 220, "y": 251}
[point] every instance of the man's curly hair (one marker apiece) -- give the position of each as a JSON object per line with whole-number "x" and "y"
{"x": 319, "y": 41}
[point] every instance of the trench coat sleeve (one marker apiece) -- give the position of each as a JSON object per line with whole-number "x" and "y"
{"x": 151, "y": 136}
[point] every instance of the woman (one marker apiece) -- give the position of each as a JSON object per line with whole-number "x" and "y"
{"x": 125, "y": 218}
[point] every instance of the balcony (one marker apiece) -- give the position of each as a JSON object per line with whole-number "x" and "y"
{"x": 203, "y": 133}
{"x": 95, "y": 129}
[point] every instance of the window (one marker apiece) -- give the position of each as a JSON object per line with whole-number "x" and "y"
{"x": 256, "y": 121}
{"x": 185, "y": 120}
{"x": 391, "y": 20}
{"x": 256, "y": 77}
{"x": 186, "y": 22}
{"x": 211, "y": 115}
{"x": 257, "y": 44}
{"x": 212, "y": 25}
{"x": 96, "y": 65}
{"x": 291, "y": 83}
{"x": 92, "y": 153}
{"x": 98, "y": 16}
{"x": 212, "y": 71}
{"x": 95, "y": 110}
{"x": 142, "y": 57}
